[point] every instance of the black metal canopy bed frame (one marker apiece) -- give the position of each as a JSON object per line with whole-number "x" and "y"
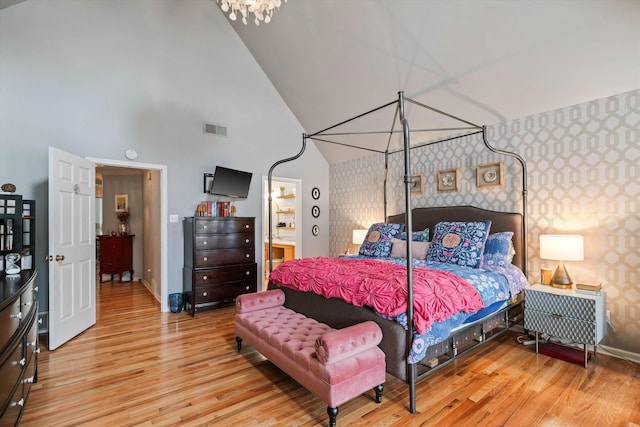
{"x": 397, "y": 339}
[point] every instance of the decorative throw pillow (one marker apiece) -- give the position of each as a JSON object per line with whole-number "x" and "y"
{"x": 498, "y": 249}
{"x": 416, "y": 236}
{"x": 378, "y": 240}
{"x": 399, "y": 249}
{"x": 459, "y": 243}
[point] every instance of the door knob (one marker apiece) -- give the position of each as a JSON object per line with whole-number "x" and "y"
{"x": 59, "y": 257}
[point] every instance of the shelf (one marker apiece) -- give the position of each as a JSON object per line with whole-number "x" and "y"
{"x": 289, "y": 212}
{"x": 286, "y": 228}
{"x": 286, "y": 196}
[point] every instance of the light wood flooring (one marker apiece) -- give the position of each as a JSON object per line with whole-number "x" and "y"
{"x": 140, "y": 367}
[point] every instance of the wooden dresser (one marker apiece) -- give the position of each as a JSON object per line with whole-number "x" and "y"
{"x": 18, "y": 343}
{"x": 116, "y": 255}
{"x": 219, "y": 260}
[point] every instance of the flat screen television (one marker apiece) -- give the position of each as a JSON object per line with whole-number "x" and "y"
{"x": 230, "y": 183}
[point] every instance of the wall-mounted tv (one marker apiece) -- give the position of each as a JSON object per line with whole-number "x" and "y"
{"x": 230, "y": 183}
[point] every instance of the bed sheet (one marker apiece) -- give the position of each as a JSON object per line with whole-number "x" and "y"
{"x": 495, "y": 285}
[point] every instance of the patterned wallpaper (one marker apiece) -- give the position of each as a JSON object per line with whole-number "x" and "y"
{"x": 583, "y": 178}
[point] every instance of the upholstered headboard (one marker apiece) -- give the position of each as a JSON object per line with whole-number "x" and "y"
{"x": 500, "y": 221}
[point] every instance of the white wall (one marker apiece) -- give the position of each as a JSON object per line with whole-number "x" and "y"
{"x": 97, "y": 77}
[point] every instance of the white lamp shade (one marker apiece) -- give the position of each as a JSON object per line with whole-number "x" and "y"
{"x": 562, "y": 247}
{"x": 358, "y": 236}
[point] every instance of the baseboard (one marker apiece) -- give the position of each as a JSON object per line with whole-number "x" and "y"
{"x": 621, "y": 354}
{"x": 150, "y": 289}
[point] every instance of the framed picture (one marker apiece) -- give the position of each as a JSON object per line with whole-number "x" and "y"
{"x": 122, "y": 203}
{"x": 448, "y": 180}
{"x": 489, "y": 175}
{"x": 417, "y": 184}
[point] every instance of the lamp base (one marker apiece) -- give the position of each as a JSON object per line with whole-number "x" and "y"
{"x": 561, "y": 278}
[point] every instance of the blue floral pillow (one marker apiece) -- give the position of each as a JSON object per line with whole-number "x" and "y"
{"x": 459, "y": 243}
{"x": 498, "y": 249}
{"x": 378, "y": 240}
{"x": 416, "y": 236}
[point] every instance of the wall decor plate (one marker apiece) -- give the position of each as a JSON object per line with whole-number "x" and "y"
{"x": 315, "y": 230}
{"x": 489, "y": 175}
{"x": 315, "y": 211}
{"x": 315, "y": 193}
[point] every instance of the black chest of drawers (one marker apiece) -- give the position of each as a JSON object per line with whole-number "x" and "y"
{"x": 219, "y": 260}
{"x": 18, "y": 343}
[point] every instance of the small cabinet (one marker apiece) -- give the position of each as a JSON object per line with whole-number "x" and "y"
{"x": 17, "y": 230}
{"x": 219, "y": 260}
{"x": 116, "y": 255}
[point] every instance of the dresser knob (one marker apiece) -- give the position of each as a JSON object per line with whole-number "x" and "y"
{"x": 204, "y": 277}
{"x": 246, "y": 226}
{"x": 204, "y": 227}
{"x": 18, "y": 403}
{"x": 22, "y": 362}
{"x": 246, "y": 287}
{"x": 27, "y": 304}
{"x": 205, "y": 293}
{"x": 247, "y": 255}
{"x": 247, "y": 241}
{"x": 248, "y": 273}
{"x": 28, "y": 380}
{"x": 205, "y": 258}
{"x": 204, "y": 243}
{"x": 16, "y": 316}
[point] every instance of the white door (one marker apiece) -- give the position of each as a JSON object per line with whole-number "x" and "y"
{"x": 72, "y": 255}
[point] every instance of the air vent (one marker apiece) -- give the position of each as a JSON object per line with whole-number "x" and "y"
{"x": 215, "y": 129}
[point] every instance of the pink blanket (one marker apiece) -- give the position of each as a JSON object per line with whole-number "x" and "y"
{"x": 383, "y": 286}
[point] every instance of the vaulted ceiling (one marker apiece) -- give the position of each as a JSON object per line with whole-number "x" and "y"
{"x": 485, "y": 61}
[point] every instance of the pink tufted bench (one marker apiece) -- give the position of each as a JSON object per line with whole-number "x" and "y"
{"x": 334, "y": 364}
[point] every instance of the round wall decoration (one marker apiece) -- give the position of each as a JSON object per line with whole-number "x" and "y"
{"x": 315, "y": 230}
{"x": 315, "y": 211}
{"x": 315, "y": 193}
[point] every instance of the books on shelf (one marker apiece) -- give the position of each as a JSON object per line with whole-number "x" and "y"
{"x": 214, "y": 209}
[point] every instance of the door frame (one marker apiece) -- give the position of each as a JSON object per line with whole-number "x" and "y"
{"x": 164, "y": 268}
{"x": 264, "y": 226}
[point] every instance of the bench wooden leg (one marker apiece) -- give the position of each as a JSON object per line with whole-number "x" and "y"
{"x": 378, "y": 391}
{"x": 333, "y": 414}
{"x": 239, "y": 343}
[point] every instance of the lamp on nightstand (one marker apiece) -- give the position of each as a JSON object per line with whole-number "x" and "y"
{"x": 561, "y": 247}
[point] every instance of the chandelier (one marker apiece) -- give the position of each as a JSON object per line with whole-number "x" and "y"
{"x": 262, "y": 9}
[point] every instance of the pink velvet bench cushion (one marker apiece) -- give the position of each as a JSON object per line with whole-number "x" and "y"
{"x": 352, "y": 361}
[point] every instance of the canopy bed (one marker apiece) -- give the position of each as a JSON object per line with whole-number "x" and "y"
{"x": 473, "y": 295}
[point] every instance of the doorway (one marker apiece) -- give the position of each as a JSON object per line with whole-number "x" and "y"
{"x": 286, "y": 214}
{"x": 152, "y": 226}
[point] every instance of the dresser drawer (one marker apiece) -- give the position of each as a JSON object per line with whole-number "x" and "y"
{"x": 216, "y": 257}
{"x": 224, "y": 241}
{"x": 223, "y": 226}
{"x": 561, "y": 326}
{"x": 9, "y": 321}
{"x": 10, "y": 371}
{"x": 223, "y": 291}
{"x": 561, "y": 305}
{"x": 226, "y": 274}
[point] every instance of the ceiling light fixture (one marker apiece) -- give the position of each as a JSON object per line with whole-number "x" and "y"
{"x": 261, "y": 9}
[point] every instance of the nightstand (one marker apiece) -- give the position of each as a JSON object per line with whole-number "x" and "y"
{"x": 566, "y": 313}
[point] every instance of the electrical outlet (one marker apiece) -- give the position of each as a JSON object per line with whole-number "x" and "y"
{"x": 173, "y": 218}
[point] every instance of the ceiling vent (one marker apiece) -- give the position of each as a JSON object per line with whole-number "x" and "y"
{"x": 214, "y": 129}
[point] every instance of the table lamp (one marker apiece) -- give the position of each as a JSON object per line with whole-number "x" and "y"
{"x": 358, "y": 237}
{"x": 561, "y": 247}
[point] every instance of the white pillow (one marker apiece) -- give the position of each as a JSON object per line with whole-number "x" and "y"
{"x": 399, "y": 249}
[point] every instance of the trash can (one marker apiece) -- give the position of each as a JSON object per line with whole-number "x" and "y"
{"x": 175, "y": 302}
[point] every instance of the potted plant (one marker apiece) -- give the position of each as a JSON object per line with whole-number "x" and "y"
{"x": 282, "y": 190}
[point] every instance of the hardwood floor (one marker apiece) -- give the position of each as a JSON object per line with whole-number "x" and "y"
{"x": 140, "y": 367}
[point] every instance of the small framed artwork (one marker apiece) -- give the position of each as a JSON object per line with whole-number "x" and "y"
{"x": 207, "y": 180}
{"x": 448, "y": 180}
{"x": 417, "y": 184}
{"x": 122, "y": 203}
{"x": 315, "y": 193}
{"x": 489, "y": 175}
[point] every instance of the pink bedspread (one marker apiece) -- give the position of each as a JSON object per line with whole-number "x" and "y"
{"x": 383, "y": 286}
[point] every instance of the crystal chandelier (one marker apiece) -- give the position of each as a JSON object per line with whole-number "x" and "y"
{"x": 262, "y": 9}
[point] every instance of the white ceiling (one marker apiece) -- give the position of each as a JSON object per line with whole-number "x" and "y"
{"x": 485, "y": 61}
